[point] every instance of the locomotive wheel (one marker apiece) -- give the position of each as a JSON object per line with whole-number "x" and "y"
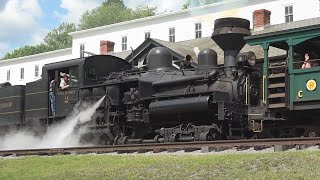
{"x": 312, "y": 132}
{"x": 86, "y": 138}
{"x": 123, "y": 140}
{"x": 158, "y": 139}
{"x": 104, "y": 140}
{"x": 173, "y": 138}
{"x": 206, "y": 136}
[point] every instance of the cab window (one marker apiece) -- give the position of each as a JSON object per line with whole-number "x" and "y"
{"x": 91, "y": 73}
{"x": 73, "y": 76}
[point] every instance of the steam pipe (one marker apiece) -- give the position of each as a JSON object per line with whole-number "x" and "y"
{"x": 212, "y": 75}
{"x": 230, "y": 57}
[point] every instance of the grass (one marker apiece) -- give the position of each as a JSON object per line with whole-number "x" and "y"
{"x": 282, "y": 165}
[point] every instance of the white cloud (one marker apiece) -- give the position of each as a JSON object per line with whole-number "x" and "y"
{"x": 75, "y": 8}
{"x": 3, "y": 3}
{"x": 19, "y": 21}
{"x": 162, "y": 5}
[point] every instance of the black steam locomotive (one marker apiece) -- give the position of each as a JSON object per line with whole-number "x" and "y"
{"x": 160, "y": 104}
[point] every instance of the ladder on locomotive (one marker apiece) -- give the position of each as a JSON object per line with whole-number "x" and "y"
{"x": 276, "y": 83}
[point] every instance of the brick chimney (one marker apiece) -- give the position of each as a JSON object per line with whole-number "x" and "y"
{"x": 261, "y": 19}
{"x": 106, "y": 47}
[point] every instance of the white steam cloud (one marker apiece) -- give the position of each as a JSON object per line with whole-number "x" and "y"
{"x": 62, "y": 134}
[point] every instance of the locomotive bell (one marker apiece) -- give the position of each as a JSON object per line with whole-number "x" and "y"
{"x": 159, "y": 58}
{"x": 207, "y": 58}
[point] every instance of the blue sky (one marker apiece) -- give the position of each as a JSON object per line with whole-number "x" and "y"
{"x": 26, "y": 22}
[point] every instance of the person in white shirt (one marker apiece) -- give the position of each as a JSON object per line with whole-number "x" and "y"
{"x": 64, "y": 84}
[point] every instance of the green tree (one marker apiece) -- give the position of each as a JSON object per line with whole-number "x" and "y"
{"x": 196, "y": 3}
{"x": 27, "y": 51}
{"x": 58, "y": 38}
{"x": 112, "y": 12}
{"x": 118, "y": 2}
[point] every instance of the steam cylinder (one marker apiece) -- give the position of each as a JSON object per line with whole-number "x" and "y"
{"x": 159, "y": 58}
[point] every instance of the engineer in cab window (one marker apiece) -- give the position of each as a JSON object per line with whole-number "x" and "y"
{"x": 64, "y": 83}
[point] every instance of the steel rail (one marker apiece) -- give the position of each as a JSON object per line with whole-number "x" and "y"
{"x": 163, "y": 146}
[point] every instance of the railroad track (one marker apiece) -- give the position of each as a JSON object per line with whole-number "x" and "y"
{"x": 158, "y": 147}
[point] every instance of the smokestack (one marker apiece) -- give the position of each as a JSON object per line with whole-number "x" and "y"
{"x": 106, "y": 47}
{"x": 261, "y": 19}
{"x": 228, "y": 34}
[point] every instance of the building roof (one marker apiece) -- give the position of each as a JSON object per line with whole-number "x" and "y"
{"x": 207, "y": 42}
{"x": 122, "y": 54}
{"x": 285, "y": 28}
{"x": 183, "y": 48}
{"x": 37, "y": 57}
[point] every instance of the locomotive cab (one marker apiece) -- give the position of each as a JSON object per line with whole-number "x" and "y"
{"x": 63, "y": 86}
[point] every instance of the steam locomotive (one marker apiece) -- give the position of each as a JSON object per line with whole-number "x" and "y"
{"x": 160, "y": 104}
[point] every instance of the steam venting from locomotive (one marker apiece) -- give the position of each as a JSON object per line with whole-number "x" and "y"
{"x": 59, "y": 135}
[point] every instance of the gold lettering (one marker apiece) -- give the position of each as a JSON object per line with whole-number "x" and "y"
{"x": 67, "y": 92}
{"x": 5, "y": 105}
{"x": 300, "y": 95}
{"x": 66, "y": 99}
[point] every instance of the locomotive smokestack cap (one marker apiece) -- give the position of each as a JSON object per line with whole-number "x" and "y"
{"x": 228, "y": 34}
{"x": 159, "y": 58}
{"x": 207, "y": 58}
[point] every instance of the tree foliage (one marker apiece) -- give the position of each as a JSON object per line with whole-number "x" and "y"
{"x": 110, "y": 12}
{"x": 59, "y": 37}
{"x": 26, "y": 51}
{"x": 113, "y": 11}
{"x": 196, "y": 3}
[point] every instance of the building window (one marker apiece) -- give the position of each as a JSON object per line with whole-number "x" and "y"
{"x": 8, "y": 75}
{"x": 36, "y": 71}
{"x": 124, "y": 43}
{"x": 81, "y": 50}
{"x": 198, "y": 30}
{"x": 172, "y": 34}
{"x": 289, "y": 13}
{"x": 21, "y": 73}
{"x": 147, "y": 35}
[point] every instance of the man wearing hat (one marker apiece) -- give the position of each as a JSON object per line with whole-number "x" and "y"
{"x": 64, "y": 84}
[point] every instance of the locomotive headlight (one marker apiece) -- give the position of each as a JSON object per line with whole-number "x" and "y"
{"x": 246, "y": 58}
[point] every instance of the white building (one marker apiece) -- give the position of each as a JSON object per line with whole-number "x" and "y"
{"x": 184, "y": 25}
{"x": 21, "y": 70}
{"x": 175, "y": 26}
